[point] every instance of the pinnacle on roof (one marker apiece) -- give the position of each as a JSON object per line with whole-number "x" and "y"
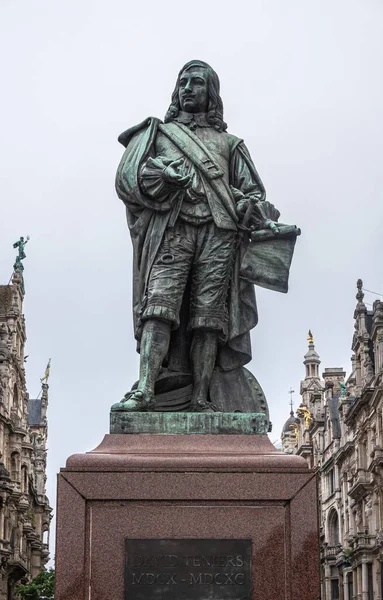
{"x": 291, "y": 392}
{"x": 360, "y": 307}
{"x": 311, "y": 355}
{"x": 359, "y": 294}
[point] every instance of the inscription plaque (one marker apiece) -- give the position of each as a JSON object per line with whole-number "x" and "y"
{"x": 187, "y": 569}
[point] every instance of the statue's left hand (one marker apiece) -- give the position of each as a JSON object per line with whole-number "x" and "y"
{"x": 242, "y": 206}
{"x": 269, "y": 224}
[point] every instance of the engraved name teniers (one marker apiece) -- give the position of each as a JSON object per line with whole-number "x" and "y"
{"x": 188, "y": 568}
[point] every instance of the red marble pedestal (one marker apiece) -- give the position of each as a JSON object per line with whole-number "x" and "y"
{"x": 186, "y": 486}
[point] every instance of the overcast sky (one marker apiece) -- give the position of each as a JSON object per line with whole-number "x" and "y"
{"x": 301, "y": 82}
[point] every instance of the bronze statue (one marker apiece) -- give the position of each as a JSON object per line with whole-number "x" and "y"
{"x": 18, "y": 266}
{"x": 202, "y": 235}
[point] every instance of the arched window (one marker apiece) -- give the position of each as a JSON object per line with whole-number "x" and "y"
{"x": 46, "y": 537}
{"x": 12, "y": 539}
{"x": 15, "y": 396}
{"x": 333, "y": 528}
{"x": 24, "y": 480}
{"x": 362, "y": 455}
{"x": 15, "y": 466}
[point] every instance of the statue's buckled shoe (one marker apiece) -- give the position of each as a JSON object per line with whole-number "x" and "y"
{"x": 135, "y": 401}
{"x": 202, "y": 406}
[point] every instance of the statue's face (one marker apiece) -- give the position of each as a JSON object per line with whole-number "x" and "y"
{"x": 193, "y": 92}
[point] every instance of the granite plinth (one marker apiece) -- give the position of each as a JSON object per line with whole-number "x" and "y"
{"x": 206, "y": 487}
{"x": 173, "y": 423}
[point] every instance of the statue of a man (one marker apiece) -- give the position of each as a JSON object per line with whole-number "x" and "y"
{"x": 189, "y": 188}
{"x": 20, "y": 245}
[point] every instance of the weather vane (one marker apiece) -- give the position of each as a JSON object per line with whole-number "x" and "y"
{"x": 310, "y": 337}
{"x": 291, "y": 392}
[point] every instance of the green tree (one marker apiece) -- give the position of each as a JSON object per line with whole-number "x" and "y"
{"x": 41, "y": 587}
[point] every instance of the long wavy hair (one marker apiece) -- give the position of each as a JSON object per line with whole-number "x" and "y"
{"x": 215, "y": 105}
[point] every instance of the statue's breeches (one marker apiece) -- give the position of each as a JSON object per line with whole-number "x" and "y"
{"x": 203, "y": 255}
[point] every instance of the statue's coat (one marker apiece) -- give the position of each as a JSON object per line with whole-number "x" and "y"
{"x": 148, "y": 220}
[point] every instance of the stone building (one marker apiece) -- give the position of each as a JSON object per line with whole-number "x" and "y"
{"x": 338, "y": 429}
{"x": 25, "y": 513}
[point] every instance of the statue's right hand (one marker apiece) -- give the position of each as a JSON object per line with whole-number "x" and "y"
{"x": 175, "y": 176}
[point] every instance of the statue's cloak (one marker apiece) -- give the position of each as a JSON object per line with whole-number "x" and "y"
{"x": 147, "y": 221}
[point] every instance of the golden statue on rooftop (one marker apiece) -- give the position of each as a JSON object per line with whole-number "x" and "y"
{"x": 294, "y": 427}
{"x": 306, "y": 414}
{"x": 47, "y": 372}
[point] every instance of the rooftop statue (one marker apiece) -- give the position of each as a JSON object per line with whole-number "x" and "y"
{"x": 18, "y": 266}
{"x": 47, "y": 372}
{"x": 203, "y": 234}
{"x": 20, "y": 245}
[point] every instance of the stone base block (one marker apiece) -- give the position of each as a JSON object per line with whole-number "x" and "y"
{"x": 188, "y": 423}
{"x": 185, "y": 493}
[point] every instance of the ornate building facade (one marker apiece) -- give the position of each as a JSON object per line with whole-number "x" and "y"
{"x": 338, "y": 429}
{"x": 25, "y": 513}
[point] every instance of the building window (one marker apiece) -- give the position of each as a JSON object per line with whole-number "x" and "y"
{"x": 350, "y": 587}
{"x": 370, "y": 582}
{"x": 24, "y": 480}
{"x": 15, "y": 466}
{"x": 331, "y": 483}
{"x": 333, "y": 527}
{"x": 363, "y": 455}
{"x": 334, "y": 589}
{"x": 334, "y": 584}
{"x": 15, "y": 396}
{"x": 12, "y": 540}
